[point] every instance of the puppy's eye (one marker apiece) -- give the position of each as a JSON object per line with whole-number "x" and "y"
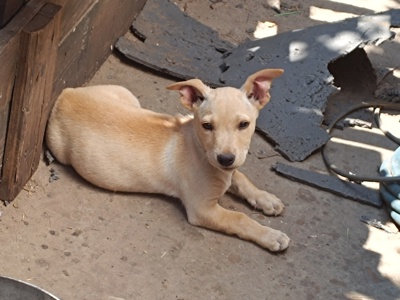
{"x": 207, "y": 126}
{"x": 200, "y": 98}
{"x": 244, "y": 124}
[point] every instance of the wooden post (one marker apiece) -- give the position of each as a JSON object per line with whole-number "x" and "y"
{"x": 31, "y": 101}
{"x": 8, "y": 8}
{"x": 10, "y": 38}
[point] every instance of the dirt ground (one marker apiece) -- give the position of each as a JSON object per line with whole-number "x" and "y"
{"x": 81, "y": 242}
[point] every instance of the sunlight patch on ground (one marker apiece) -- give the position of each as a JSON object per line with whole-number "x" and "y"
{"x": 372, "y": 5}
{"x": 375, "y": 50}
{"x": 388, "y": 247}
{"x": 328, "y": 15}
{"x": 265, "y": 29}
{"x": 384, "y": 152}
{"x": 357, "y": 296}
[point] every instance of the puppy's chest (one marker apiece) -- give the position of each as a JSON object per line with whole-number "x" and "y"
{"x": 184, "y": 169}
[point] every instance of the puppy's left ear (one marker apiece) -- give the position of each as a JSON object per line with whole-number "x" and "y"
{"x": 192, "y": 91}
{"x": 257, "y": 86}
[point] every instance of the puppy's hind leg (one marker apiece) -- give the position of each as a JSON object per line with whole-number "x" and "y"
{"x": 267, "y": 202}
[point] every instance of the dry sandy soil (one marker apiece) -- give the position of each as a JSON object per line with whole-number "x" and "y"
{"x": 81, "y": 242}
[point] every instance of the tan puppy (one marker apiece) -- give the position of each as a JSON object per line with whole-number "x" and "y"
{"x": 113, "y": 143}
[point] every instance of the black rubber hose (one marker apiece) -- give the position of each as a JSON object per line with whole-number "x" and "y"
{"x": 358, "y": 178}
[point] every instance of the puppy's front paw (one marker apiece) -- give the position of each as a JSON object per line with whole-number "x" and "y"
{"x": 268, "y": 203}
{"x": 275, "y": 240}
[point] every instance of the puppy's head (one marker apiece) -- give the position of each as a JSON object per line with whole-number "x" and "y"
{"x": 225, "y": 118}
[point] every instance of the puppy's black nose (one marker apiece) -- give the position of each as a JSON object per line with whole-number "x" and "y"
{"x": 226, "y": 159}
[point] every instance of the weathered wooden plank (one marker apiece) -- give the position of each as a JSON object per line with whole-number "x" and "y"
{"x": 87, "y": 46}
{"x": 7, "y": 9}
{"x": 9, "y": 56}
{"x": 27, "y": 12}
{"x": 72, "y": 12}
{"x": 30, "y": 105}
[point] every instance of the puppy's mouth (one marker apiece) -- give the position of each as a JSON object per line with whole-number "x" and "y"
{"x": 228, "y": 168}
{"x": 224, "y": 168}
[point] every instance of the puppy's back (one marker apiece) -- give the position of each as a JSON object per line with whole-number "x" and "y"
{"x": 76, "y": 106}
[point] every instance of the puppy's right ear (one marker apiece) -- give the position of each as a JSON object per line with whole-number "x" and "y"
{"x": 192, "y": 91}
{"x": 257, "y": 86}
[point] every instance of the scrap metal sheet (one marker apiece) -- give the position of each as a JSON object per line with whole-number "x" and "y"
{"x": 171, "y": 42}
{"x": 167, "y": 40}
{"x": 292, "y": 119}
{"x": 353, "y": 191}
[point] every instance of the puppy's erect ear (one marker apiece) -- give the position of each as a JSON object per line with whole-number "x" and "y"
{"x": 193, "y": 92}
{"x": 257, "y": 86}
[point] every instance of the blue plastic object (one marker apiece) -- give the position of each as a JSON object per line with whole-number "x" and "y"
{"x": 390, "y": 192}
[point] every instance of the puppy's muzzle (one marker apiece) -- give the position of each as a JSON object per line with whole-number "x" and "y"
{"x": 226, "y": 160}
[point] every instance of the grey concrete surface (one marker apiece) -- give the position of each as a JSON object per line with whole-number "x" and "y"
{"x": 80, "y": 242}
